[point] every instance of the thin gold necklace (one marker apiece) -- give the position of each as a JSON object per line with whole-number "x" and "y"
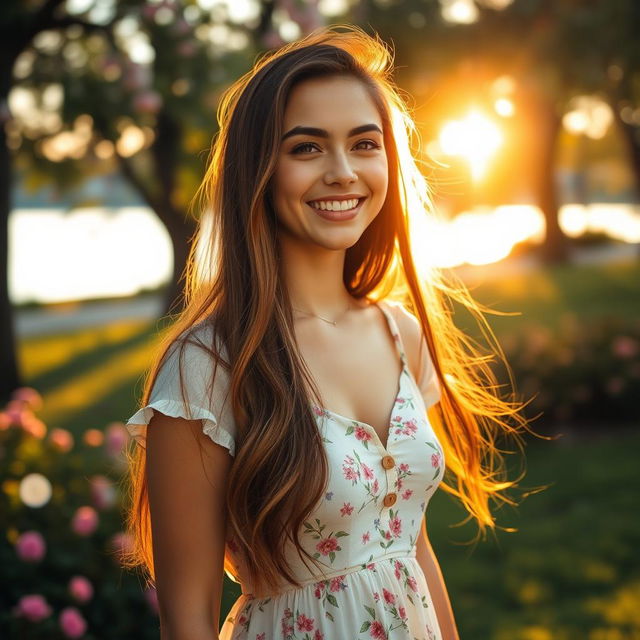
{"x": 333, "y": 322}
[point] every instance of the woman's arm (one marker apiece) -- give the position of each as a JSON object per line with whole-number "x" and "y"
{"x": 187, "y": 485}
{"x": 427, "y": 560}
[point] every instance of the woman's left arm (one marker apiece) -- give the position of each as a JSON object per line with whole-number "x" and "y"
{"x": 431, "y": 569}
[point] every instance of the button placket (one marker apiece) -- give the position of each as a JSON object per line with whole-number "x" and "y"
{"x": 388, "y": 463}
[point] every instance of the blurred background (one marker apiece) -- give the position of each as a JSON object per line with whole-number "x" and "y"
{"x": 528, "y": 114}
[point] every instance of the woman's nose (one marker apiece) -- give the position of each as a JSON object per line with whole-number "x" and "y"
{"x": 340, "y": 171}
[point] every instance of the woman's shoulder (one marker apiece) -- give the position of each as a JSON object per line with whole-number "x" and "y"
{"x": 408, "y": 324}
{"x": 199, "y": 342}
{"x": 409, "y": 329}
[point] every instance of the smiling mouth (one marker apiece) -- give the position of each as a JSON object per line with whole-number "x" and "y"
{"x": 336, "y": 205}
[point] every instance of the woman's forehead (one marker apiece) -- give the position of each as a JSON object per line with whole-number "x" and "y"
{"x": 335, "y": 104}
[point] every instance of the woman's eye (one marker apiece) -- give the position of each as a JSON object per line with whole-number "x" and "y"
{"x": 303, "y": 148}
{"x": 372, "y": 145}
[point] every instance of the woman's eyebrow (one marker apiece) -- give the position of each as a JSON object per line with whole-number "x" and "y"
{"x": 323, "y": 133}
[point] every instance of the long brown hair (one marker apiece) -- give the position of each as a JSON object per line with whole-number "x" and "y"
{"x": 233, "y": 282}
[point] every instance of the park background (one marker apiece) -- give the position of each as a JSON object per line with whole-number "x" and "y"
{"x": 529, "y": 119}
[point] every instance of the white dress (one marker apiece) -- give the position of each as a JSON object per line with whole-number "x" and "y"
{"x": 364, "y": 531}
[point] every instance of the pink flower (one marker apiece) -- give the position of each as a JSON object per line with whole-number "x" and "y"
{"x": 362, "y": 434}
{"x": 303, "y": 623}
{"x": 336, "y": 584}
{"x": 410, "y": 427}
{"x": 376, "y": 596}
{"x": 376, "y": 631}
{"x": 261, "y": 636}
{"x": 147, "y": 101}
{"x": 368, "y": 473}
{"x": 395, "y": 525}
{"x": 80, "y": 589}
{"x": 33, "y": 607}
{"x": 61, "y": 439}
{"x": 151, "y": 596}
{"x": 116, "y": 437}
{"x": 349, "y": 473}
{"x": 387, "y": 535}
{"x": 317, "y": 592}
{"x": 318, "y": 635}
{"x": 397, "y": 566}
{"x": 402, "y": 612}
{"x": 32, "y": 425}
{"x": 28, "y": 396}
{"x": 72, "y": 623}
{"x": 327, "y": 546}
{"x": 366, "y": 537}
{"x": 389, "y": 598}
{"x": 31, "y": 546}
{"x": 103, "y": 493}
{"x": 625, "y": 347}
{"x": 287, "y": 628}
{"x": 407, "y": 494}
{"x": 411, "y": 581}
{"x": 435, "y": 460}
{"x": 375, "y": 486}
{"x": 85, "y": 521}
{"x": 346, "y": 509}
{"x": 93, "y": 437}
{"x": 404, "y": 467}
{"x": 122, "y": 544}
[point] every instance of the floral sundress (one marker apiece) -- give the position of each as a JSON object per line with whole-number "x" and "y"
{"x": 363, "y": 532}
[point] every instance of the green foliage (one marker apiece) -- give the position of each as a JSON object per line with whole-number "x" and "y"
{"x": 571, "y": 570}
{"x": 119, "y": 607}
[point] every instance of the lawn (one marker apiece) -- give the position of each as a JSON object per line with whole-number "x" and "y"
{"x": 571, "y": 571}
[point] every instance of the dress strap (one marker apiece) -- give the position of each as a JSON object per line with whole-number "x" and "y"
{"x": 393, "y": 328}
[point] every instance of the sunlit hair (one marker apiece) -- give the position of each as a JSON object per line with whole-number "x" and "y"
{"x": 234, "y": 283}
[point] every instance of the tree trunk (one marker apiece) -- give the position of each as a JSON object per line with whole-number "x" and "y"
{"x": 631, "y": 135}
{"x": 545, "y": 126}
{"x": 9, "y": 376}
{"x": 179, "y": 232}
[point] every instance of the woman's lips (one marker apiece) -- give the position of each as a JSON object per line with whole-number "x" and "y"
{"x": 338, "y": 216}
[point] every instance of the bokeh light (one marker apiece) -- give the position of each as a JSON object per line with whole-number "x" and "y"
{"x": 35, "y": 490}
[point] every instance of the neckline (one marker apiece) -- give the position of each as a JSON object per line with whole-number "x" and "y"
{"x": 403, "y": 369}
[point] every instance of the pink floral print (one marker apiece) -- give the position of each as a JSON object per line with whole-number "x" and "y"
{"x": 359, "y": 473}
{"x": 328, "y": 545}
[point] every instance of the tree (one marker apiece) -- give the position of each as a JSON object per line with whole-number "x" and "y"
{"x": 137, "y": 86}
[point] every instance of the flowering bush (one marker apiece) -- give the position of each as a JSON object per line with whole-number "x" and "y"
{"x": 582, "y": 373}
{"x": 61, "y": 575}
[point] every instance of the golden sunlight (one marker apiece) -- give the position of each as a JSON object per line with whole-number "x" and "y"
{"x": 475, "y": 137}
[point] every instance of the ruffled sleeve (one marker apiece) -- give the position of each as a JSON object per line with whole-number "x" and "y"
{"x": 428, "y": 382}
{"x": 204, "y": 399}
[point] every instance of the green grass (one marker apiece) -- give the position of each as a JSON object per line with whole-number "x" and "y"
{"x": 571, "y": 568}
{"x": 545, "y": 296}
{"x": 571, "y": 571}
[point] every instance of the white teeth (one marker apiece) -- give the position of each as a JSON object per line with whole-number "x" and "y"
{"x": 335, "y": 205}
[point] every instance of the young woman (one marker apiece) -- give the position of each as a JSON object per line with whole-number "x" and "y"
{"x": 284, "y": 430}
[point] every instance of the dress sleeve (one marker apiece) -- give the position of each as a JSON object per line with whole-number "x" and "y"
{"x": 428, "y": 378}
{"x": 202, "y": 399}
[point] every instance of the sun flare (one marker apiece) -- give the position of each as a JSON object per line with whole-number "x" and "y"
{"x": 475, "y": 137}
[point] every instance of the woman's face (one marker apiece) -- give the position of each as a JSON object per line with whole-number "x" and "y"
{"x": 331, "y": 177}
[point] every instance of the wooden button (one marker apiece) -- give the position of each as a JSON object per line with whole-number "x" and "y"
{"x": 389, "y": 500}
{"x": 388, "y": 462}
